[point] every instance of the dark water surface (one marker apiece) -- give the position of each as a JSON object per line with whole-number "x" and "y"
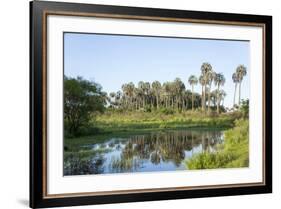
{"x": 155, "y": 151}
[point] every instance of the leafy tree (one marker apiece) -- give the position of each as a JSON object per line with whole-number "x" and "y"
{"x": 244, "y": 108}
{"x": 82, "y": 99}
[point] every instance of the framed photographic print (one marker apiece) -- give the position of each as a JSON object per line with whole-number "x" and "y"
{"x": 140, "y": 104}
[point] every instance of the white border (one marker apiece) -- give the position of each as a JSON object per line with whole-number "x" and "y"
{"x": 58, "y": 184}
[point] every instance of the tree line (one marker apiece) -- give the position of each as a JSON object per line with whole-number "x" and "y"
{"x": 175, "y": 95}
{"x": 83, "y": 98}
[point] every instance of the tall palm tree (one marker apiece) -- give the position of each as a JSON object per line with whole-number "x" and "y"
{"x": 118, "y": 98}
{"x": 235, "y": 81}
{"x": 112, "y": 98}
{"x": 141, "y": 87}
{"x": 206, "y": 69}
{"x": 166, "y": 89}
{"x": 202, "y": 83}
{"x": 156, "y": 88}
{"x": 222, "y": 96}
{"x": 130, "y": 92}
{"x": 192, "y": 81}
{"x": 179, "y": 87}
{"x": 125, "y": 94}
{"x": 214, "y": 97}
{"x": 241, "y": 71}
{"x": 219, "y": 81}
{"x": 138, "y": 97}
{"x": 210, "y": 77}
{"x": 147, "y": 91}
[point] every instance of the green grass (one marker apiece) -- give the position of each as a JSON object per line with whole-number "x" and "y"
{"x": 157, "y": 120}
{"x": 233, "y": 153}
{"x": 122, "y": 124}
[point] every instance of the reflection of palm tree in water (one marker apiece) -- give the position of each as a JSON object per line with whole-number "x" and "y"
{"x": 136, "y": 151}
{"x": 161, "y": 147}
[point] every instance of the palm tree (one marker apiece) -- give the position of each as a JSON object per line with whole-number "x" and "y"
{"x": 130, "y": 92}
{"x": 219, "y": 81}
{"x": 117, "y": 98}
{"x": 202, "y": 82}
{"x": 156, "y": 88}
{"x": 179, "y": 87}
{"x": 241, "y": 71}
{"x": 235, "y": 81}
{"x": 147, "y": 91}
{"x": 206, "y": 69}
{"x": 214, "y": 97}
{"x": 138, "y": 97}
{"x": 222, "y": 96}
{"x": 210, "y": 77}
{"x": 141, "y": 87}
{"x": 113, "y": 98}
{"x": 192, "y": 81}
{"x": 166, "y": 93}
{"x": 125, "y": 94}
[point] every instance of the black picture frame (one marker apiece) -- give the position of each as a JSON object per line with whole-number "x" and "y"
{"x": 38, "y": 10}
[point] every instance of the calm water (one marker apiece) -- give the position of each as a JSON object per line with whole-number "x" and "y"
{"x": 157, "y": 151}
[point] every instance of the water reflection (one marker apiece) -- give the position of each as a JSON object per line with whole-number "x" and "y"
{"x": 157, "y": 151}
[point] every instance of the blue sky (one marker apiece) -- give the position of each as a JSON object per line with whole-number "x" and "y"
{"x": 112, "y": 60}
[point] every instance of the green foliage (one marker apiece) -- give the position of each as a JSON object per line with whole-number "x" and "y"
{"x": 115, "y": 121}
{"x": 82, "y": 100}
{"x": 167, "y": 111}
{"x": 244, "y": 108}
{"x": 233, "y": 153}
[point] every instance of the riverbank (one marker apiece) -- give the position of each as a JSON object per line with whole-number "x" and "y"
{"x": 233, "y": 153}
{"x": 122, "y": 124}
{"x": 132, "y": 121}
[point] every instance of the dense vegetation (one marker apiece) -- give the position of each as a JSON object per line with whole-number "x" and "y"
{"x": 112, "y": 121}
{"x": 233, "y": 153}
{"x": 82, "y": 100}
{"x": 172, "y": 94}
{"x": 89, "y": 110}
{"x": 146, "y": 112}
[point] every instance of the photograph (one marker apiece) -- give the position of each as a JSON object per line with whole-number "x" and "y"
{"x": 135, "y": 103}
{"x": 132, "y": 104}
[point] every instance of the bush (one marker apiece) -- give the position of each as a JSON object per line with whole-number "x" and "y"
{"x": 244, "y": 108}
{"x": 167, "y": 111}
{"x": 234, "y": 153}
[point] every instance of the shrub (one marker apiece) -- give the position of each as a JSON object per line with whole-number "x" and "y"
{"x": 233, "y": 153}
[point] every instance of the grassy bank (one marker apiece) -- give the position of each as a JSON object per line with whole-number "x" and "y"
{"x": 233, "y": 153}
{"x": 132, "y": 121}
{"x": 122, "y": 124}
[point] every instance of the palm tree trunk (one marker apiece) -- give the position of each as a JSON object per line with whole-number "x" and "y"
{"x": 209, "y": 99}
{"x": 157, "y": 102}
{"x": 192, "y": 96}
{"x": 239, "y": 92}
{"x": 202, "y": 98}
{"x": 234, "y": 94}
{"x": 218, "y": 99}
